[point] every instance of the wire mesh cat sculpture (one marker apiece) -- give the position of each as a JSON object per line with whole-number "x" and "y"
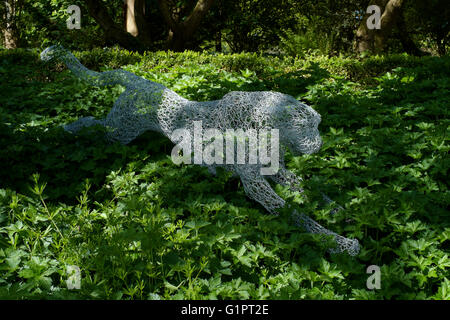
{"x": 146, "y": 105}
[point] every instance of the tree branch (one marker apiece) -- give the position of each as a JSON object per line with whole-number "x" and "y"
{"x": 167, "y": 15}
{"x": 193, "y": 20}
{"x": 98, "y": 11}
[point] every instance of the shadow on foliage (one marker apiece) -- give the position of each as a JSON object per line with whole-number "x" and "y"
{"x": 64, "y": 161}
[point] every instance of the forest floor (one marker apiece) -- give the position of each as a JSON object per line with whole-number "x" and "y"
{"x": 137, "y": 226}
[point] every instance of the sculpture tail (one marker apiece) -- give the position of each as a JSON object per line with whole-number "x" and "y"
{"x": 100, "y": 79}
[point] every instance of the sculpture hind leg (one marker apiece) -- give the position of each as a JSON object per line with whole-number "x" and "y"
{"x": 119, "y": 128}
{"x": 123, "y": 123}
{"x": 342, "y": 244}
{"x": 81, "y": 123}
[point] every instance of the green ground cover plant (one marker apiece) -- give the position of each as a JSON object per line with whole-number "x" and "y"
{"x": 140, "y": 227}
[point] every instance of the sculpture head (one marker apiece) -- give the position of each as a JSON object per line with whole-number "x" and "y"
{"x": 52, "y": 52}
{"x": 298, "y": 125}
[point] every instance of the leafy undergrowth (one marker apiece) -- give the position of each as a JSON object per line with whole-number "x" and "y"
{"x": 140, "y": 227}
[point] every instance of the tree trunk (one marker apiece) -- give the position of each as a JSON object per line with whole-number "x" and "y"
{"x": 442, "y": 38}
{"x": 130, "y": 21}
{"x": 10, "y": 30}
{"x": 408, "y": 44}
{"x": 218, "y": 41}
{"x": 114, "y": 32}
{"x": 10, "y": 37}
{"x": 441, "y": 43}
{"x": 181, "y": 32}
{"x": 144, "y": 29}
{"x": 134, "y": 21}
{"x": 375, "y": 39}
{"x": 390, "y": 15}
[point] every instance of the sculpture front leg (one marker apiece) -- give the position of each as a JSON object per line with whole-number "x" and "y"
{"x": 258, "y": 189}
{"x": 342, "y": 244}
{"x": 289, "y": 179}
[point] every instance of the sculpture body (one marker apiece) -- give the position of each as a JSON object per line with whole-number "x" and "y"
{"x": 146, "y": 105}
